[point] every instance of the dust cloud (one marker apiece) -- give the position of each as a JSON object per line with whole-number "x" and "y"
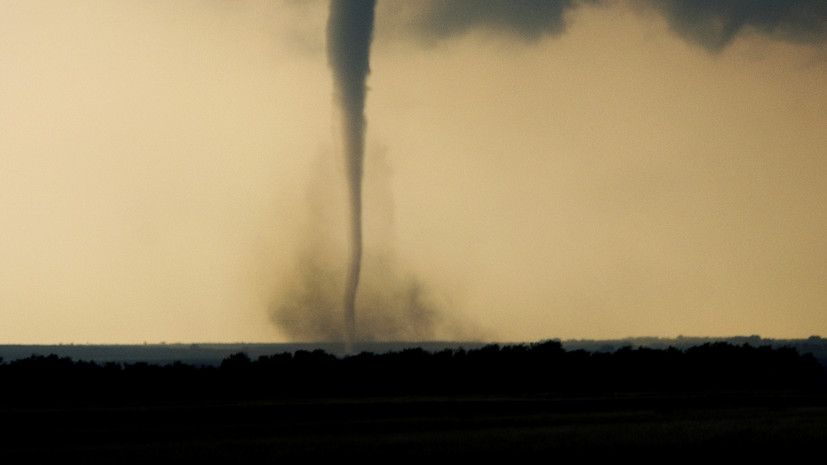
{"x": 395, "y": 302}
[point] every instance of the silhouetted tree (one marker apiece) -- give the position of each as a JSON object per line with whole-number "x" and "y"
{"x": 540, "y": 368}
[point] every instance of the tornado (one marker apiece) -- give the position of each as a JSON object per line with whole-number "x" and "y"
{"x": 349, "y": 34}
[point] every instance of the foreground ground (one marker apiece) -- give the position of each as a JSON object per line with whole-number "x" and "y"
{"x": 740, "y": 425}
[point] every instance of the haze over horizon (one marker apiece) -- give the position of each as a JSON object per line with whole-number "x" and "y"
{"x": 581, "y": 169}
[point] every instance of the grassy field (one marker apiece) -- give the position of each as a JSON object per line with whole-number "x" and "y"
{"x": 381, "y": 429}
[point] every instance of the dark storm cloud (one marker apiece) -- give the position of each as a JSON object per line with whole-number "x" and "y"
{"x": 529, "y": 19}
{"x": 714, "y": 24}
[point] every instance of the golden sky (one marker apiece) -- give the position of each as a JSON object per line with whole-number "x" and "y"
{"x": 170, "y": 171}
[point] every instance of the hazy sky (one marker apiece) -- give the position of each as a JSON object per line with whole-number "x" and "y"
{"x": 170, "y": 171}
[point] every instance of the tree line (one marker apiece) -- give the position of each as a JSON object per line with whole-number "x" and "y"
{"x": 536, "y": 368}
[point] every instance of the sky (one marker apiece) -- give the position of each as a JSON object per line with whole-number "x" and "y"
{"x": 581, "y": 169}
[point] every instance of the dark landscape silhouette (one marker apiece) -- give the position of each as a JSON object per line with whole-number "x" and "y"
{"x": 508, "y": 402}
{"x": 536, "y": 368}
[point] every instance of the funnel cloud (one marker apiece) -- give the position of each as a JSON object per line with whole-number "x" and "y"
{"x": 349, "y": 32}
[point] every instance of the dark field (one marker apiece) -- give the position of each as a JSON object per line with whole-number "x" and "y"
{"x": 506, "y": 428}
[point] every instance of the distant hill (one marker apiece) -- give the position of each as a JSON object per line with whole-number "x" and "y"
{"x": 206, "y": 353}
{"x": 516, "y": 369}
{"x": 213, "y": 353}
{"x": 813, "y": 345}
